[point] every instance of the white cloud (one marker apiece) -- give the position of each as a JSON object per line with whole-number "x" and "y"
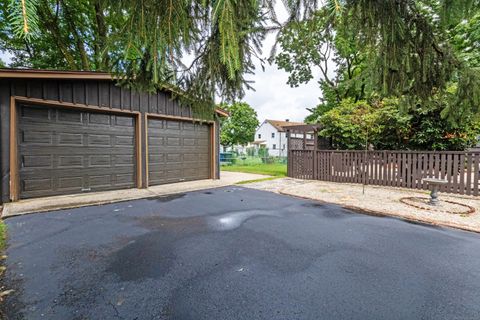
{"x": 275, "y": 99}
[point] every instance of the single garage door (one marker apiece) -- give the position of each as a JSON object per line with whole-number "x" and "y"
{"x": 65, "y": 151}
{"x": 177, "y": 151}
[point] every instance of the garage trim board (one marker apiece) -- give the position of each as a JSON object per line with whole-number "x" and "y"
{"x": 14, "y": 160}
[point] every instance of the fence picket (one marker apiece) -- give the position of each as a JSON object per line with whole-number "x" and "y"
{"x": 449, "y": 169}
{"x": 475, "y": 174}
{"x": 469, "y": 174}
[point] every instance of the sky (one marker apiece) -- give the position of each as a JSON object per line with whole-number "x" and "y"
{"x": 274, "y": 99}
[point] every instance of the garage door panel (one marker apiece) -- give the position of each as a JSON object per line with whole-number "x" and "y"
{"x": 69, "y": 116}
{"x": 174, "y": 125}
{"x": 100, "y": 140}
{"x": 100, "y": 181}
{"x": 156, "y": 142}
{"x": 156, "y": 158}
{"x": 123, "y": 160}
{"x": 36, "y": 184}
{"x": 35, "y": 114}
{"x": 69, "y": 162}
{"x": 124, "y": 179}
{"x": 99, "y": 118}
{"x": 36, "y": 161}
{"x": 36, "y": 137}
{"x": 124, "y": 140}
{"x": 177, "y": 151}
{"x": 70, "y": 139}
{"x": 68, "y": 151}
{"x": 125, "y": 122}
{"x": 100, "y": 161}
{"x": 70, "y": 183}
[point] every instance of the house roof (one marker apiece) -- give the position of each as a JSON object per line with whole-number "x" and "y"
{"x": 13, "y": 73}
{"x": 281, "y": 124}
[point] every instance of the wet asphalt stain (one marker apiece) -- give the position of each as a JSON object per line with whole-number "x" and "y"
{"x": 152, "y": 255}
{"x": 313, "y": 205}
{"x": 147, "y": 256}
{"x": 422, "y": 224}
{"x": 168, "y": 198}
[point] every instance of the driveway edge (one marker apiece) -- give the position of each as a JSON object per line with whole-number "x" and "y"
{"x": 384, "y": 214}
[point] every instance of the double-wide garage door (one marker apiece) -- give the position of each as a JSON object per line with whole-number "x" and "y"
{"x": 67, "y": 151}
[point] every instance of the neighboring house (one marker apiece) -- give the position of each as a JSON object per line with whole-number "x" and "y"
{"x": 272, "y": 135}
{"x": 66, "y": 132}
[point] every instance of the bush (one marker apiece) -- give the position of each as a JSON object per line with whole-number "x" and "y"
{"x": 383, "y": 125}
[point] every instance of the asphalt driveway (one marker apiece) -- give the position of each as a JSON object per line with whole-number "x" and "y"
{"x": 236, "y": 253}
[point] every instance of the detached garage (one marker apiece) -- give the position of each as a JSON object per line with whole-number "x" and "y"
{"x": 73, "y": 132}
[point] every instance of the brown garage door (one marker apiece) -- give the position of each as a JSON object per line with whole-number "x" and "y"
{"x": 177, "y": 151}
{"x": 68, "y": 151}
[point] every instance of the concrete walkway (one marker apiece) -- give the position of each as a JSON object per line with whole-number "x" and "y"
{"x": 97, "y": 198}
{"x": 384, "y": 201}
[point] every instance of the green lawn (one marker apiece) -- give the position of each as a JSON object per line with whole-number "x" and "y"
{"x": 275, "y": 169}
{"x": 3, "y": 236}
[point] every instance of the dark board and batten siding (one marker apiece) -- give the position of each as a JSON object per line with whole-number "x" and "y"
{"x": 100, "y": 93}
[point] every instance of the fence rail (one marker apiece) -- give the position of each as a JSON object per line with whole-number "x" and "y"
{"x": 389, "y": 168}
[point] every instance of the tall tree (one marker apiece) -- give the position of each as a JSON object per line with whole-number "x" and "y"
{"x": 239, "y": 128}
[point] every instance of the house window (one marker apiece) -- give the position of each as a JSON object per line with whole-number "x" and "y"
{"x": 274, "y": 146}
{"x": 273, "y": 134}
{"x": 259, "y": 136}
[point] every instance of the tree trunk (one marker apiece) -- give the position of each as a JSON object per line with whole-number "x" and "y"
{"x": 101, "y": 41}
{"x": 76, "y": 34}
{"x": 49, "y": 22}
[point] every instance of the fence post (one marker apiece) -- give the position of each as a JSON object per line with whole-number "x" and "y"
{"x": 289, "y": 155}
{"x": 315, "y": 147}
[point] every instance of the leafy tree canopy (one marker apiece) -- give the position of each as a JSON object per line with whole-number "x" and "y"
{"x": 239, "y": 128}
{"x": 402, "y": 48}
{"x": 408, "y": 49}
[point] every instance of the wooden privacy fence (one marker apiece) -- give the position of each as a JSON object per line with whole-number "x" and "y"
{"x": 389, "y": 168}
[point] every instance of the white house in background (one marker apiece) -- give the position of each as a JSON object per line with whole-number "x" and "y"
{"x": 272, "y": 135}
